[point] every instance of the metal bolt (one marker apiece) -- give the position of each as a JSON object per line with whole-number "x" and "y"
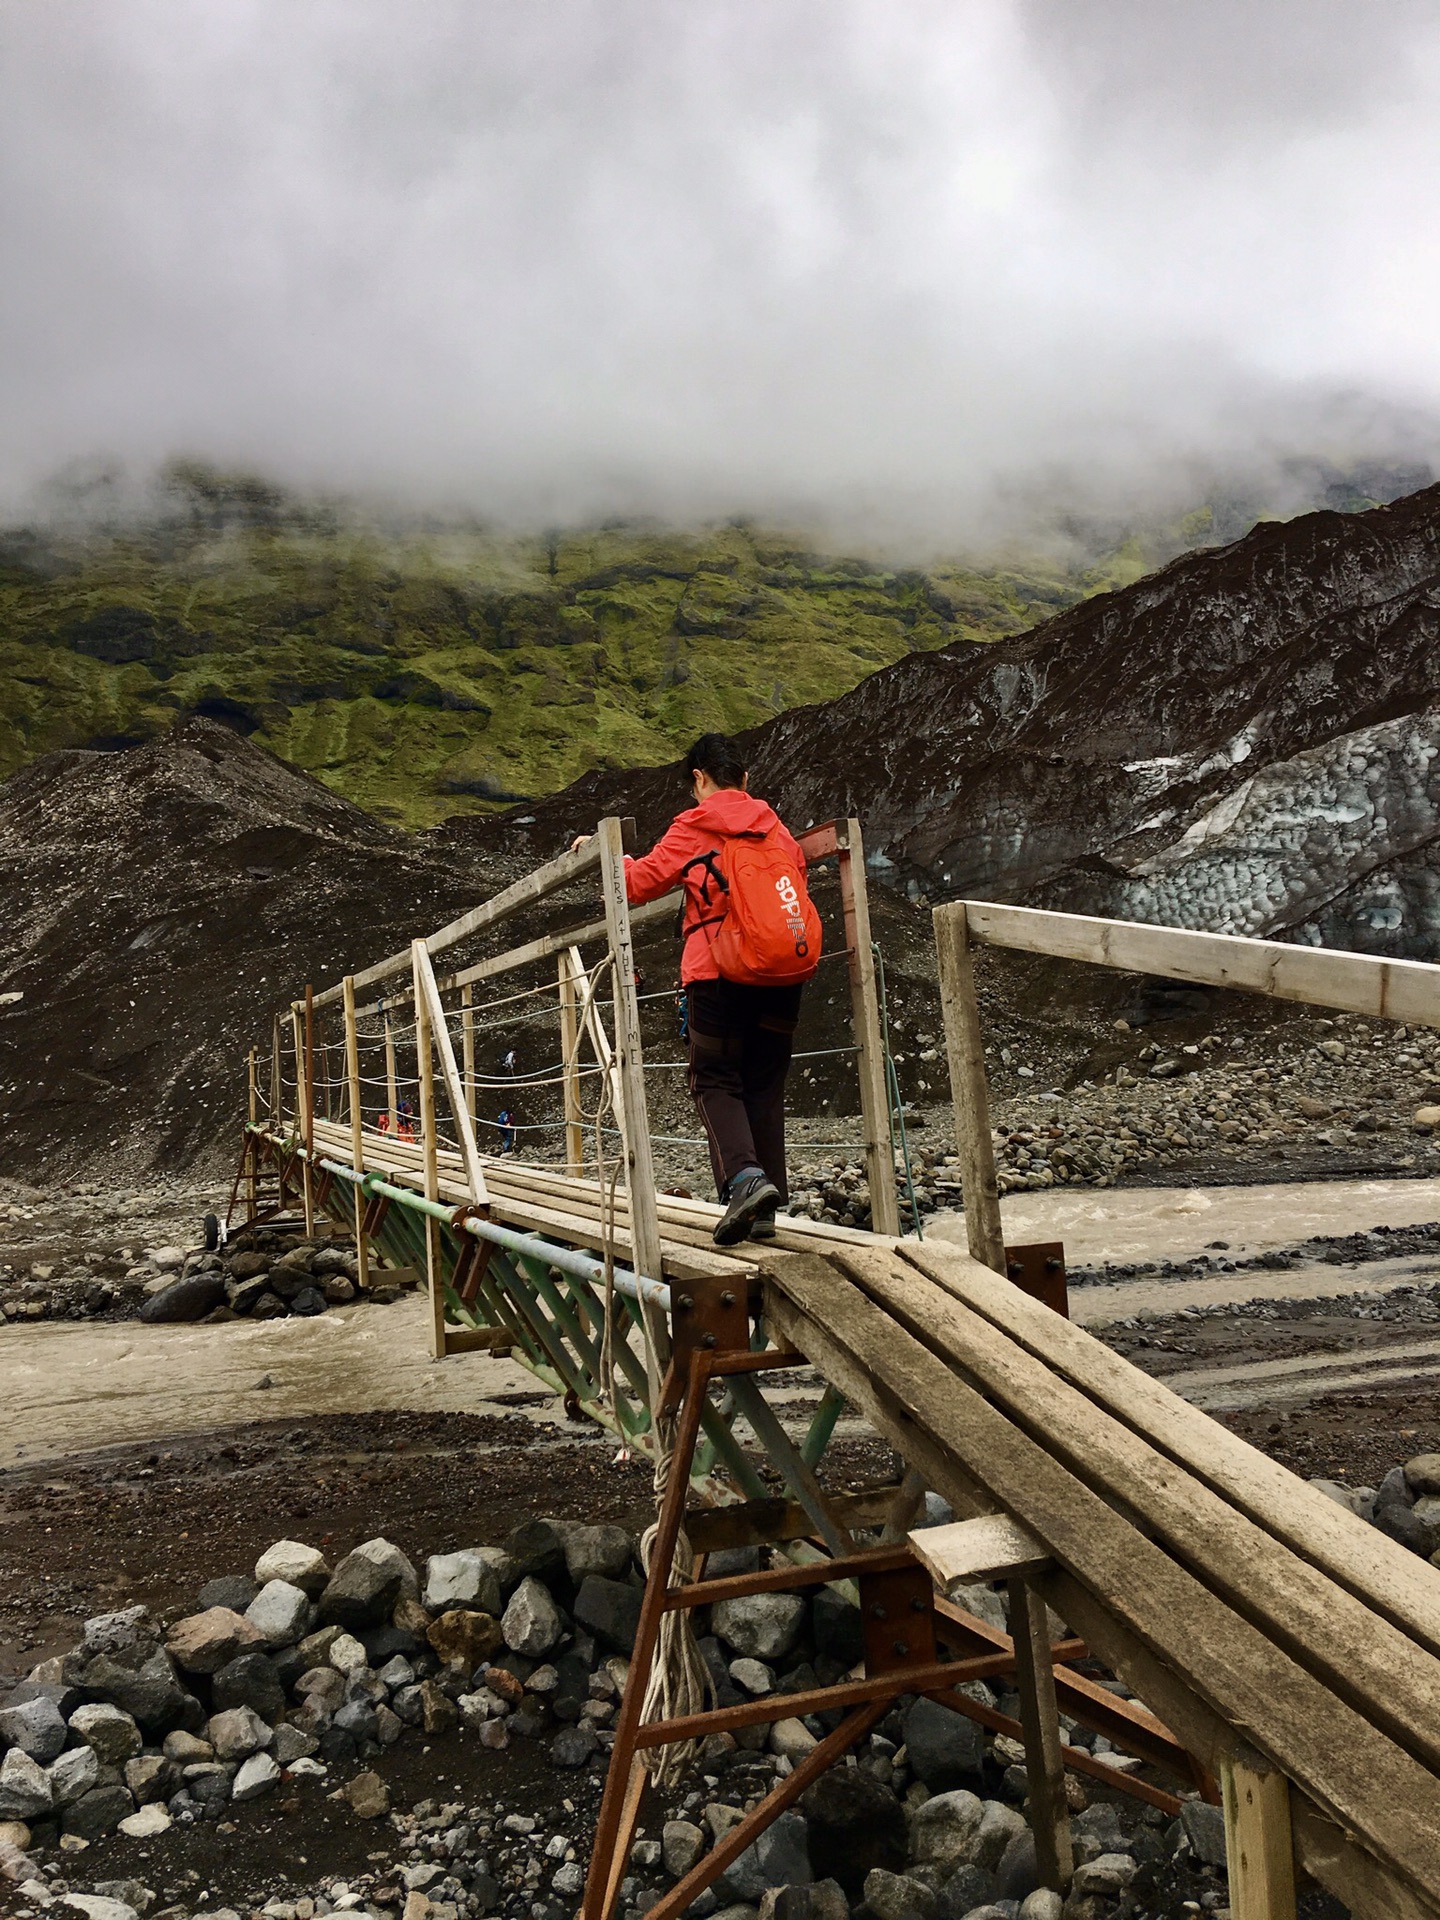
{"x": 1053, "y": 1265}
{"x": 707, "y": 1339}
{"x": 684, "y": 1304}
{"x": 917, "y": 1605}
{"x": 900, "y": 1649}
{"x": 727, "y": 1299}
{"x": 877, "y": 1612}
{"x": 1013, "y": 1269}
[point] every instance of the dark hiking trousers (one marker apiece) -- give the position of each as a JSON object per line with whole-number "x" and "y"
{"x": 740, "y": 1044}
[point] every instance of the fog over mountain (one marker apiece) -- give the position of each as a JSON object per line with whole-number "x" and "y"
{"x": 926, "y": 271}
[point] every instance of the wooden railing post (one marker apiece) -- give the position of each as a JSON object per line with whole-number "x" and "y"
{"x": 1040, "y": 1724}
{"x": 965, "y": 1045}
{"x": 467, "y": 1047}
{"x": 357, "y": 1131}
{"x": 630, "y": 1060}
{"x": 277, "y": 1097}
{"x": 252, "y": 1165}
{"x": 569, "y": 1053}
{"x": 425, "y": 1072}
{"x": 392, "y": 1088}
{"x": 303, "y": 1127}
{"x": 865, "y": 1023}
{"x": 1259, "y": 1843}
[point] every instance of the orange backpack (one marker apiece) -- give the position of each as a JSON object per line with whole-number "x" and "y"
{"x": 769, "y": 932}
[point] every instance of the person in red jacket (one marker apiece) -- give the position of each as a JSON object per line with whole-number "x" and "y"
{"x": 741, "y": 1036}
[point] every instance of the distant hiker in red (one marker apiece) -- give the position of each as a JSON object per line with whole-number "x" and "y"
{"x": 752, "y": 940}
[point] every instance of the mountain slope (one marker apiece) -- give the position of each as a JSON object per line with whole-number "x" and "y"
{"x": 1293, "y": 673}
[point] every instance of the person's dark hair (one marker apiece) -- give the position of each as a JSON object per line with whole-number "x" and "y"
{"x": 717, "y": 755}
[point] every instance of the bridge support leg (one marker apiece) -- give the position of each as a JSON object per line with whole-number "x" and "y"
{"x": 1259, "y": 1845}
{"x": 965, "y": 1045}
{"x": 1040, "y": 1722}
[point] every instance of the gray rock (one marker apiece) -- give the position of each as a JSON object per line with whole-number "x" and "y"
{"x": 365, "y": 1586}
{"x": 100, "y": 1906}
{"x": 538, "y": 1547}
{"x": 57, "y": 1690}
{"x": 249, "y": 1681}
{"x": 150, "y": 1693}
{"x": 1043, "y": 1904}
{"x": 764, "y": 1626}
{"x": 97, "y": 1813}
{"x": 409, "y": 1705}
{"x": 308, "y": 1302}
{"x": 1110, "y": 1874}
{"x": 573, "y": 1745}
{"x": 24, "y": 1787}
{"x": 1422, "y": 1474}
{"x": 1098, "y": 1830}
{"x": 945, "y": 1749}
{"x": 463, "y": 1579}
{"x": 238, "y": 1732}
{"x": 855, "y": 1824}
{"x": 999, "y": 1825}
{"x": 610, "y": 1609}
{"x": 203, "y": 1642}
{"x": 74, "y": 1774}
{"x": 233, "y": 1591}
{"x": 257, "y": 1775}
{"x": 357, "y": 1718}
{"x": 1204, "y": 1827}
{"x": 895, "y": 1896}
{"x": 185, "y": 1749}
{"x": 150, "y": 1776}
{"x": 291, "y": 1743}
{"x": 128, "y": 1634}
{"x": 607, "y": 1551}
{"x": 837, "y": 1627}
{"x": 37, "y": 1727}
{"x": 281, "y": 1613}
{"x": 396, "y": 1673}
{"x": 681, "y": 1845}
{"x": 295, "y": 1563}
{"x": 780, "y": 1857}
{"x": 754, "y": 1676}
{"x": 112, "y": 1733}
{"x": 188, "y": 1299}
{"x": 967, "y": 1888}
{"x": 531, "y": 1623}
{"x": 1018, "y": 1874}
{"x": 821, "y": 1900}
{"x": 945, "y": 1830}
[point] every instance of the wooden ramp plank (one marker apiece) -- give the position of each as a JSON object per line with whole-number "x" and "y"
{"x": 990, "y": 1547}
{"x": 1121, "y": 1591}
{"x": 1376, "y": 1569}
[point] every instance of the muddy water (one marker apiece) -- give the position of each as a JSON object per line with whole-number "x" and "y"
{"x": 66, "y": 1386}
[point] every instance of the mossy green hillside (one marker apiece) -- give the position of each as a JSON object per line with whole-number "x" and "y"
{"x": 436, "y": 670}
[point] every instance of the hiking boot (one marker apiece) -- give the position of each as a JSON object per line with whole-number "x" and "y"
{"x": 750, "y": 1194}
{"x": 762, "y": 1227}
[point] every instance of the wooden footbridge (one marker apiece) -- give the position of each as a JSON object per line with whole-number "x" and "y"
{"x": 1226, "y": 1625}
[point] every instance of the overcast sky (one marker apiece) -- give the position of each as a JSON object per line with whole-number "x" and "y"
{"x": 887, "y": 261}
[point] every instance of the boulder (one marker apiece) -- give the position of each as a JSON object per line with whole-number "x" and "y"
{"x": 532, "y": 1622}
{"x": 152, "y": 1820}
{"x": 1097, "y": 1830}
{"x": 463, "y": 1579}
{"x": 37, "y": 1727}
{"x": 1018, "y": 1874}
{"x": 203, "y": 1642}
{"x": 1422, "y": 1473}
{"x": 97, "y": 1812}
{"x": 945, "y": 1829}
{"x": 256, "y": 1775}
{"x": 1043, "y": 1904}
{"x": 1204, "y": 1828}
{"x": 250, "y": 1681}
{"x": 74, "y": 1774}
{"x": 792, "y": 1740}
{"x": 607, "y": 1551}
{"x": 1109, "y": 1875}
{"x": 855, "y": 1824}
{"x": 365, "y": 1586}
{"x": 24, "y": 1787}
{"x": 999, "y": 1825}
{"x": 150, "y": 1693}
{"x": 280, "y": 1613}
{"x": 967, "y": 1888}
{"x": 753, "y": 1676}
{"x": 538, "y": 1547}
{"x": 185, "y": 1749}
{"x": 234, "y": 1591}
{"x": 111, "y": 1732}
{"x": 837, "y": 1628}
{"x": 463, "y": 1638}
{"x": 764, "y": 1626}
{"x": 895, "y": 1896}
{"x": 821, "y": 1900}
{"x": 944, "y": 1748}
{"x": 308, "y": 1302}
{"x": 779, "y": 1857}
{"x": 573, "y": 1746}
{"x": 294, "y": 1562}
{"x": 610, "y": 1609}
{"x": 150, "y": 1776}
{"x": 681, "y": 1845}
{"x": 188, "y": 1299}
{"x": 237, "y": 1733}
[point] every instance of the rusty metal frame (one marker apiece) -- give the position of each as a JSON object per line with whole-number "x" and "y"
{"x": 1039, "y": 1270}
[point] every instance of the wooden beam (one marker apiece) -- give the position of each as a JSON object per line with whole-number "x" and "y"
{"x": 1259, "y": 1843}
{"x": 467, "y": 1049}
{"x": 553, "y": 877}
{"x": 427, "y": 995}
{"x": 869, "y": 1041}
{"x": 639, "y": 1159}
{"x": 1407, "y": 990}
{"x": 754, "y": 1523}
{"x": 426, "y": 1074}
{"x": 357, "y": 1131}
{"x": 392, "y": 1087}
{"x": 570, "y": 1055}
{"x": 991, "y": 1547}
{"x": 477, "y": 1339}
{"x": 1040, "y": 1721}
{"x": 965, "y": 1046}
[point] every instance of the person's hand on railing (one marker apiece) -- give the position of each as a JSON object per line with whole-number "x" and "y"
{"x": 579, "y": 841}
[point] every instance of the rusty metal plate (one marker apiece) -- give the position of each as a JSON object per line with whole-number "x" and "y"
{"x": 710, "y": 1315}
{"x": 1039, "y": 1270}
{"x": 897, "y": 1616}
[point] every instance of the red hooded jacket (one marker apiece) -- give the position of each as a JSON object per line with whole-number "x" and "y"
{"x": 699, "y": 830}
